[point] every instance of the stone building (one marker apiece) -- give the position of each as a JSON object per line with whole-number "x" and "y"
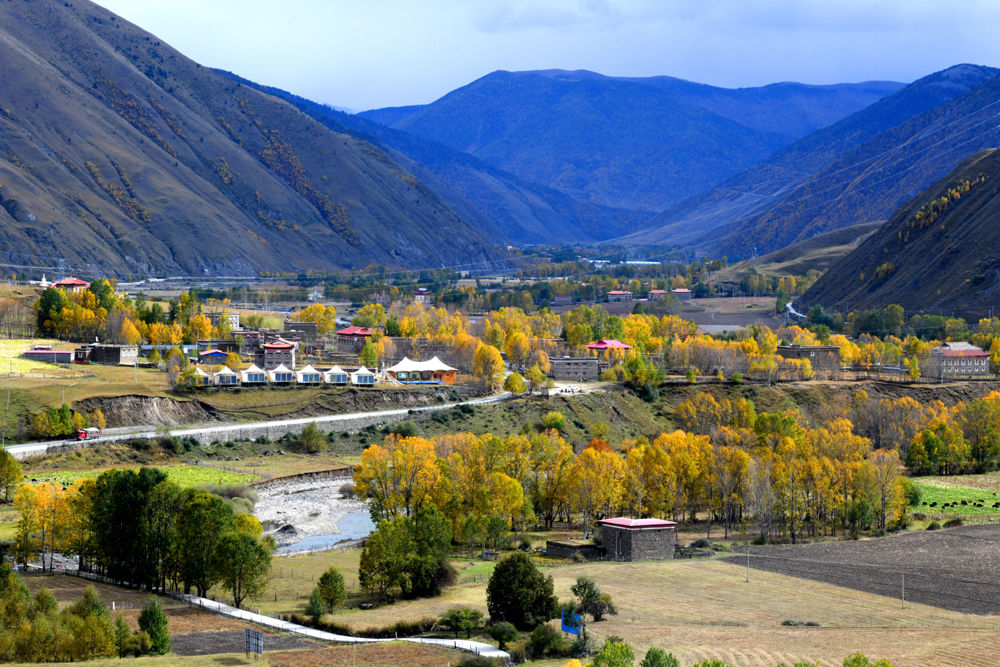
{"x": 574, "y": 369}
{"x": 638, "y": 539}
{"x": 958, "y": 360}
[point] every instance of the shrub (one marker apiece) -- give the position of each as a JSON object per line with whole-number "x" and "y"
{"x": 519, "y": 594}
{"x": 545, "y": 641}
{"x": 404, "y": 429}
{"x": 315, "y": 607}
{"x": 910, "y": 491}
{"x": 153, "y": 621}
{"x": 934, "y": 525}
{"x": 312, "y": 440}
{"x": 554, "y": 420}
{"x": 701, "y": 543}
{"x": 953, "y": 523}
{"x": 737, "y": 377}
{"x": 502, "y": 633}
{"x": 657, "y": 657}
{"x": 462, "y": 619}
{"x": 691, "y": 375}
{"x": 615, "y": 653}
{"x": 517, "y": 654}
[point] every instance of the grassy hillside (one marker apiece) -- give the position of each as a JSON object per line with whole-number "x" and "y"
{"x": 936, "y": 253}
{"x": 123, "y": 157}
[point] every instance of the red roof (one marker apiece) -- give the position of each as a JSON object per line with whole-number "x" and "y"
{"x": 279, "y": 344}
{"x": 637, "y": 524}
{"x": 214, "y": 352}
{"x": 70, "y": 282}
{"x": 657, "y": 291}
{"x": 619, "y": 291}
{"x": 682, "y": 290}
{"x": 355, "y": 331}
{"x": 609, "y": 344}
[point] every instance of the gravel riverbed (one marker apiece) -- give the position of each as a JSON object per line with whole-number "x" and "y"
{"x": 300, "y": 509}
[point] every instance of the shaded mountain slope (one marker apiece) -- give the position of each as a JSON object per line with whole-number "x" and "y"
{"x": 938, "y": 253}
{"x": 620, "y": 142}
{"x": 121, "y": 156}
{"x": 503, "y": 206}
{"x": 792, "y": 187}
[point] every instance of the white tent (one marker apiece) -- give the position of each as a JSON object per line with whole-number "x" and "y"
{"x": 363, "y": 376}
{"x": 407, "y": 365}
{"x": 280, "y": 374}
{"x": 336, "y": 375}
{"x": 201, "y": 377}
{"x": 252, "y": 375}
{"x": 308, "y": 375}
{"x": 225, "y": 376}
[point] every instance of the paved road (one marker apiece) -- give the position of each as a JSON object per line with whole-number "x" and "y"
{"x": 219, "y": 432}
{"x": 479, "y": 648}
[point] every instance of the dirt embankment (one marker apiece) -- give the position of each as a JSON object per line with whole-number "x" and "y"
{"x": 136, "y": 410}
{"x": 263, "y": 404}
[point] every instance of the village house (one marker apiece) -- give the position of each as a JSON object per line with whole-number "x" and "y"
{"x": 107, "y": 353}
{"x": 229, "y": 321}
{"x": 657, "y": 294}
{"x": 682, "y": 294}
{"x": 71, "y": 284}
{"x": 619, "y": 295}
{"x": 46, "y": 354}
{"x": 574, "y": 369}
{"x": 958, "y": 360}
{"x": 279, "y": 352}
{"x": 638, "y": 539}
{"x": 608, "y": 344}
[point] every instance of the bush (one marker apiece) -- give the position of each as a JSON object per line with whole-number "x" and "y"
{"x": 462, "y": 619}
{"x": 545, "y": 642}
{"x": 657, "y": 657}
{"x": 615, "y": 653}
{"x": 953, "y": 523}
{"x": 554, "y": 420}
{"x": 934, "y": 525}
{"x": 517, "y": 654}
{"x": 737, "y": 377}
{"x": 691, "y": 375}
{"x": 153, "y": 621}
{"x": 405, "y": 429}
{"x": 910, "y": 491}
{"x": 502, "y": 633}
{"x": 701, "y": 543}
{"x": 346, "y": 490}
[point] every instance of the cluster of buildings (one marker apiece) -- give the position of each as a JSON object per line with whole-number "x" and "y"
{"x": 682, "y": 294}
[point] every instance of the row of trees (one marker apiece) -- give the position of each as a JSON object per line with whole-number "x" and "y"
{"x": 140, "y": 529}
{"x": 773, "y": 468}
{"x": 33, "y": 629}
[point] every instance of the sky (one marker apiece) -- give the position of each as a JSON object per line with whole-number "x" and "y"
{"x": 363, "y": 54}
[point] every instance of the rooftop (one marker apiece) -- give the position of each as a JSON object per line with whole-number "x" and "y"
{"x": 637, "y": 524}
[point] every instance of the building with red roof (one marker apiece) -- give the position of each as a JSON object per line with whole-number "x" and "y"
{"x": 958, "y": 360}
{"x": 279, "y": 352}
{"x": 638, "y": 539}
{"x": 620, "y": 295}
{"x": 353, "y": 333}
{"x": 71, "y": 284}
{"x": 608, "y": 344}
{"x": 683, "y": 293}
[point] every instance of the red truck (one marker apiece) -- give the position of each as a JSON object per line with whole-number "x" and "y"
{"x": 88, "y": 433}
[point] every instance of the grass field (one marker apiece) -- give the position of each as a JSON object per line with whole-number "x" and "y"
{"x": 183, "y": 475}
{"x": 12, "y": 362}
{"x": 973, "y": 489}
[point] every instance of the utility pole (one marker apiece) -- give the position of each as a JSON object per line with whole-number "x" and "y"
{"x": 902, "y": 597}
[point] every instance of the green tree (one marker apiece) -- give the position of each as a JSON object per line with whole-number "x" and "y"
{"x": 315, "y": 607}
{"x": 519, "y": 594}
{"x": 371, "y": 316}
{"x": 615, "y": 653}
{"x": 392, "y": 326}
{"x": 503, "y": 633}
{"x": 122, "y": 634}
{"x": 461, "y": 619}
{"x": 657, "y": 657}
{"x": 554, "y": 420}
{"x": 592, "y": 600}
{"x": 203, "y": 521}
{"x": 369, "y": 355}
{"x": 153, "y": 621}
{"x": 383, "y": 559}
{"x": 515, "y": 384}
{"x": 313, "y": 440}
{"x": 243, "y": 564}
{"x": 535, "y": 377}
{"x": 331, "y": 589}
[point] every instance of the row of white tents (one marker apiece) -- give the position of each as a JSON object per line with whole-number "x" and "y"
{"x": 254, "y": 376}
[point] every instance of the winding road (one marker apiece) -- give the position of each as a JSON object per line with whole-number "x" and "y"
{"x": 220, "y": 432}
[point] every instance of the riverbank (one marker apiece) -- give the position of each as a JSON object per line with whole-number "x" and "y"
{"x": 311, "y": 513}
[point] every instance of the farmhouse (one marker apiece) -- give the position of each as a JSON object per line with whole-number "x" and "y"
{"x": 48, "y": 355}
{"x": 279, "y": 352}
{"x": 958, "y": 360}
{"x": 431, "y": 371}
{"x": 638, "y": 539}
{"x": 215, "y": 357}
{"x": 574, "y": 369}
{"x": 619, "y": 295}
{"x": 71, "y": 284}
{"x": 112, "y": 354}
{"x": 682, "y": 294}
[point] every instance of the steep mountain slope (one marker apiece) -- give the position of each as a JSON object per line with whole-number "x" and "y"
{"x": 793, "y": 186}
{"x": 938, "y": 252}
{"x": 121, "y": 156}
{"x": 619, "y": 142}
{"x": 500, "y": 204}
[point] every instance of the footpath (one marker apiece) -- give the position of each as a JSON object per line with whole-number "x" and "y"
{"x": 479, "y": 648}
